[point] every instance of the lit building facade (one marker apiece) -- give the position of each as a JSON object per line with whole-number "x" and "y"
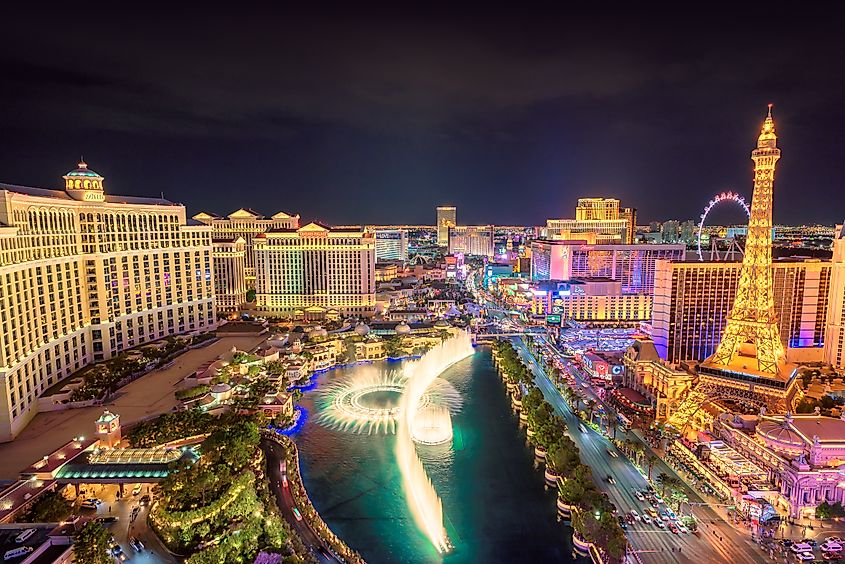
{"x": 692, "y": 301}
{"x": 600, "y": 217}
{"x": 84, "y": 276}
{"x": 447, "y": 216}
{"x": 633, "y": 265}
{"x": 590, "y": 302}
{"x": 472, "y": 240}
{"x": 664, "y": 384}
{"x": 247, "y": 224}
{"x": 834, "y": 343}
{"x": 315, "y": 272}
{"x": 391, "y": 244}
{"x": 229, "y": 261}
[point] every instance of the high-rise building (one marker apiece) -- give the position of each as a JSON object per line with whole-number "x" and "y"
{"x": 633, "y": 265}
{"x": 834, "y": 343}
{"x": 602, "y": 217}
{"x": 229, "y": 260}
{"x": 472, "y": 240}
{"x": 447, "y": 216}
{"x": 670, "y": 231}
{"x": 750, "y": 363}
{"x": 86, "y": 275}
{"x": 315, "y": 272}
{"x": 689, "y": 232}
{"x": 247, "y": 223}
{"x": 391, "y": 244}
{"x": 692, "y": 301}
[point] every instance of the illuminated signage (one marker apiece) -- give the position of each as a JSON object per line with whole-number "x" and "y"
{"x": 553, "y": 319}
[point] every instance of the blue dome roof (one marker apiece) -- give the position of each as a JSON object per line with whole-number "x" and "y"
{"x": 82, "y": 170}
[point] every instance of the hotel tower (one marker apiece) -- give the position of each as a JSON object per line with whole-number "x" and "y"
{"x": 85, "y": 275}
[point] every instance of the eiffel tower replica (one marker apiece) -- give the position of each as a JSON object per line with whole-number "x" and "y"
{"x": 749, "y": 366}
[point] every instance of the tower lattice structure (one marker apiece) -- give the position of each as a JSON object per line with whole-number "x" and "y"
{"x": 751, "y": 339}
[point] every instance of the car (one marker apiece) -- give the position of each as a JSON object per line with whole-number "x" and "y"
{"x": 639, "y": 496}
{"x": 837, "y": 540}
{"x": 800, "y": 547}
{"x": 831, "y": 546}
{"x": 93, "y": 500}
{"x": 136, "y": 544}
{"x": 612, "y": 453}
{"x": 610, "y": 479}
{"x": 651, "y": 511}
{"x": 635, "y": 515}
{"x": 88, "y": 505}
{"x": 805, "y": 556}
{"x": 831, "y": 555}
{"x": 284, "y": 481}
{"x": 297, "y": 514}
{"x": 674, "y": 528}
{"x": 118, "y": 553}
{"x": 136, "y": 490}
{"x": 786, "y": 542}
{"x": 811, "y": 542}
{"x": 107, "y": 520}
{"x": 682, "y": 528}
{"x": 581, "y": 428}
{"x": 660, "y": 523}
{"x": 622, "y": 523}
{"x": 647, "y": 519}
{"x": 655, "y": 503}
{"x": 145, "y": 500}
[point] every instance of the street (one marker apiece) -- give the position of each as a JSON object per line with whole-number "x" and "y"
{"x": 275, "y": 461}
{"x": 649, "y": 542}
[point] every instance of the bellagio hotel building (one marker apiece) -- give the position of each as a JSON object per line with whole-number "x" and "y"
{"x": 85, "y": 275}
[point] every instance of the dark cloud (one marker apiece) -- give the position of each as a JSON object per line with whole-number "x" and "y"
{"x": 379, "y": 117}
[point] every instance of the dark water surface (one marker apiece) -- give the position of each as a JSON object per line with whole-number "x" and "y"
{"x": 494, "y": 503}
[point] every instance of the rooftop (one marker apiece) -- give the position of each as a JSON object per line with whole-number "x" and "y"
{"x": 62, "y": 195}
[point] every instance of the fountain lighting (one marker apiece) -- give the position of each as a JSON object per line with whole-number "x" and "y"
{"x": 432, "y": 426}
{"x": 423, "y": 501}
{"x": 344, "y": 404}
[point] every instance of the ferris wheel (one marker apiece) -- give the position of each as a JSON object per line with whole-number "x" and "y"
{"x": 718, "y": 199}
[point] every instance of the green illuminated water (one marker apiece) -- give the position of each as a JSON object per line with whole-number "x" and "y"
{"x": 494, "y": 503}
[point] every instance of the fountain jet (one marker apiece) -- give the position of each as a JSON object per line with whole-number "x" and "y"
{"x": 423, "y": 501}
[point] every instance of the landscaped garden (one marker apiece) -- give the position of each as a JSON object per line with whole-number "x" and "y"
{"x": 100, "y": 380}
{"x": 219, "y": 509}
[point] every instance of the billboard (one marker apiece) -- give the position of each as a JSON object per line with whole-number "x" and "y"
{"x": 553, "y": 319}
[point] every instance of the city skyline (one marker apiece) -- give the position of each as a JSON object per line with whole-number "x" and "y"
{"x": 509, "y": 125}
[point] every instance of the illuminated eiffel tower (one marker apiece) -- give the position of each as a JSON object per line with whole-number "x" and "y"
{"x": 749, "y": 365}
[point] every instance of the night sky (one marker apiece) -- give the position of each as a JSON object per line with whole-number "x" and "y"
{"x": 379, "y": 117}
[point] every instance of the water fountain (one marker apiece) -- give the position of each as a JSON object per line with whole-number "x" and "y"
{"x": 423, "y": 501}
{"x": 363, "y": 404}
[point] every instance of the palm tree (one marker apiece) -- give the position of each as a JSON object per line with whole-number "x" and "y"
{"x": 663, "y": 479}
{"x": 612, "y": 424}
{"x": 591, "y": 405}
{"x": 650, "y": 461}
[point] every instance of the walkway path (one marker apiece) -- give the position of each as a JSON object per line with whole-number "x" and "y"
{"x": 147, "y": 396}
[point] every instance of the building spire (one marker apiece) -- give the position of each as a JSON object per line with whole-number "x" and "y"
{"x": 768, "y": 138}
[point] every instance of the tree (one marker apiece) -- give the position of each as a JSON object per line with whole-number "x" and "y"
{"x": 651, "y": 460}
{"x": 50, "y": 507}
{"x": 826, "y": 510}
{"x": 250, "y": 295}
{"x": 663, "y": 479}
{"x": 91, "y": 544}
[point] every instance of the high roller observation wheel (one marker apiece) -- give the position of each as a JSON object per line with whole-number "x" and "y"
{"x": 718, "y": 199}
